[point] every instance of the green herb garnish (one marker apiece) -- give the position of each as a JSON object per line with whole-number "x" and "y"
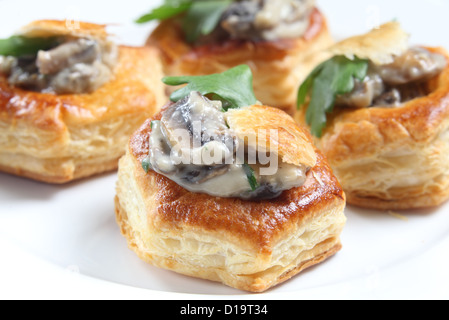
{"x": 146, "y": 164}
{"x": 153, "y": 123}
{"x": 169, "y": 9}
{"x": 251, "y": 177}
{"x": 234, "y": 87}
{"x": 201, "y": 16}
{"x": 18, "y": 46}
{"x": 332, "y": 78}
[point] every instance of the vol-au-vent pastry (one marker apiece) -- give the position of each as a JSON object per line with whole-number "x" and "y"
{"x": 276, "y": 38}
{"x": 380, "y": 113}
{"x": 220, "y": 187}
{"x": 70, "y": 98}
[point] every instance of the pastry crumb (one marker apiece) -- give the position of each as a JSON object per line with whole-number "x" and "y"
{"x": 398, "y": 216}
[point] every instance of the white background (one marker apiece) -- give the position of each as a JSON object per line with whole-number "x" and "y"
{"x": 63, "y": 242}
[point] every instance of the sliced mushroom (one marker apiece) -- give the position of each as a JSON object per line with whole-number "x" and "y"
{"x": 267, "y": 19}
{"x": 364, "y": 93}
{"x": 7, "y": 64}
{"x": 68, "y": 54}
{"x": 390, "y": 98}
{"x": 75, "y": 66}
{"x": 193, "y": 146}
{"x": 196, "y": 121}
{"x": 393, "y": 84}
{"x": 193, "y": 140}
{"x": 417, "y": 64}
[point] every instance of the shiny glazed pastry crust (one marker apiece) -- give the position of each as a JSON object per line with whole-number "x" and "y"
{"x": 59, "y": 138}
{"x": 391, "y": 158}
{"x": 278, "y": 66}
{"x": 247, "y": 245}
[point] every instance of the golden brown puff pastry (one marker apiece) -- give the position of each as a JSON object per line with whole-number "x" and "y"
{"x": 248, "y": 245}
{"x": 390, "y": 158}
{"x": 278, "y": 66}
{"x": 60, "y": 138}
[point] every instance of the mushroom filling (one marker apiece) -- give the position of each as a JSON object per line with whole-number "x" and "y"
{"x": 74, "y": 66}
{"x": 267, "y": 19}
{"x": 193, "y": 146}
{"x": 393, "y": 84}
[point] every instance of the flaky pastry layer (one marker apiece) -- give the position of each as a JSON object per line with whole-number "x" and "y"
{"x": 392, "y": 158}
{"x": 247, "y": 245}
{"x": 54, "y": 138}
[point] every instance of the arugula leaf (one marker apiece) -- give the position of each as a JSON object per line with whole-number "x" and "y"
{"x": 17, "y": 46}
{"x": 203, "y": 17}
{"x": 251, "y": 177}
{"x": 169, "y": 9}
{"x": 332, "y": 78}
{"x": 234, "y": 86}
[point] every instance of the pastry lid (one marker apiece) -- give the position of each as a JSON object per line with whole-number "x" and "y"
{"x": 380, "y": 45}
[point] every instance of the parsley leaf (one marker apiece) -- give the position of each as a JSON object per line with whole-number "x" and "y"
{"x": 251, "y": 177}
{"x": 17, "y": 46}
{"x": 169, "y": 9}
{"x": 332, "y": 78}
{"x": 234, "y": 87}
{"x": 203, "y": 17}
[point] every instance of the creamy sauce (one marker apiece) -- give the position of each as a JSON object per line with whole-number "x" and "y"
{"x": 267, "y": 19}
{"x": 193, "y": 146}
{"x": 417, "y": 64}
{"x": 271, "y": 186}
{"x": 393, "y": 84}
{"x": 75, "y": 66}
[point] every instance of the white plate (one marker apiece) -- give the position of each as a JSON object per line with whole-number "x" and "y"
{"x": 63, "y": 242}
